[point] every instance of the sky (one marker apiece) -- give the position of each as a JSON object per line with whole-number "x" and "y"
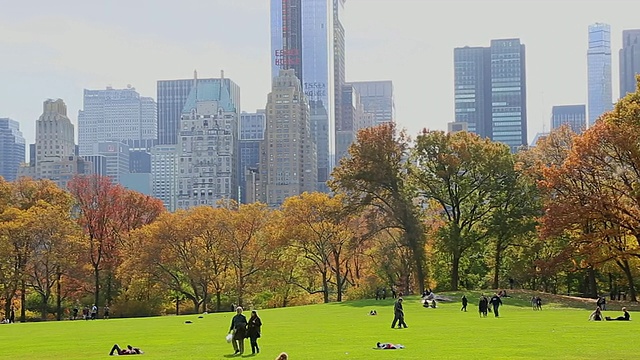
{"x": 55, "y": 50}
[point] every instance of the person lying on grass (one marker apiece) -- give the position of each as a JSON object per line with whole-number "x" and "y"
{"x": 385, "y": 346}
{"x": 130, "y": 350}
{"x": 625, "y": 316}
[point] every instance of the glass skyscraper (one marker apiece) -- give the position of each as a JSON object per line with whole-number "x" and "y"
{"x": 599, "y": 71}
{"x": 12, "y": 148}
{"x": 377, "y": 98}
{"x": 629, "y": 61}
{"x": 302, "y": 39}
{"x": 252, "y": 127}
{"x": 575, "y": 116}
{"x": 491, "y": 91}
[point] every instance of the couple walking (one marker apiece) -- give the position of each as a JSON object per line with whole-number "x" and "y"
{"x": 241, "y": 329}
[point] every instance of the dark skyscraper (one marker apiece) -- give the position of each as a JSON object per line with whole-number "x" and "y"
{"x": 472, "y": 73}
{"x": 575, "y": 116}
{"x": 490, "y": 91}
{"x": 629, "y": 61}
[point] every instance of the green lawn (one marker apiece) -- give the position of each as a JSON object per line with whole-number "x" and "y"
{"x": 344, "y": 331}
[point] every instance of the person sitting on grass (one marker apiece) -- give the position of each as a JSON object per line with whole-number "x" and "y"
{"x": 625, "y": 316}
{"x": 596, "y": 315}
{"x": 130, "y": 350}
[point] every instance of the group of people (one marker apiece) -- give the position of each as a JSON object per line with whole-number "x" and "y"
{"x": 90, "y": 314}
{"x": 536, "y": 303}
{"x": 12, "y": 317}
{"x": 596, "y": 315}
{"x": 381, "y": 294}
{"x": 242, "y": 328}
{"x": 483, "y": 305}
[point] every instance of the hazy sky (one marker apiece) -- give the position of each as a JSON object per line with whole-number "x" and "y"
{"x": 56, "y": 49}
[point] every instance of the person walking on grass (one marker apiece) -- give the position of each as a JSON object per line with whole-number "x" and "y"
{"x": 398, "y": 313}
{"x": 496, "y": 302}
{"x": 238, "y": 329}
{"x": 253, "y": 331}
{"x": 464, "y": 303}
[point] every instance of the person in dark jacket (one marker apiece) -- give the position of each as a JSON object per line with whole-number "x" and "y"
{"x": 464, "y": 303}
{"x": 483, "y": 306}
{"x": 625, "y": 316}
{"x": 398, "y": 313}
{"x": 239, "y": 330}
{"x": 253, "y": 331}
{"x": 496, "y": 302}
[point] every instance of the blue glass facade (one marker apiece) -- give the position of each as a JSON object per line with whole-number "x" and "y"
{"x": 472, "y": 90}
{"x": 12, "y": 148}
{"x": 575, "y": 116}
{"x": 252, "y": 127}
{"x": 508, "y": 93}
{"x": 599, "y": 71}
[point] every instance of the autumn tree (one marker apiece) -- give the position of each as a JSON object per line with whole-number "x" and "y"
{"x": 373, "y": 178}
{"x": 465, "y": 175}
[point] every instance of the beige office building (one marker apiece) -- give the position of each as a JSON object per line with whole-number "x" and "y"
{"x": 288, "y": 156}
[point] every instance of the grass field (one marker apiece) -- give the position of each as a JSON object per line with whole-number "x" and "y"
{"x": 346, "y": 331}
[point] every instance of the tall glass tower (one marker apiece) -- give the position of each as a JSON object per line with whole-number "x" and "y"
{"x": 629, "y": 61}
{"x": 599, "y": 71}
{"x": 302, "y": 39}
{"x": 12, "y": 148}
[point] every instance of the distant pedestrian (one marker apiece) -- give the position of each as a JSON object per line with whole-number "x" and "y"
{"x": 398, "y": 315}
{"x": 384, "y": 293}
{"x": 378, "y": 295}
{"x": 538, "y": 303}
{"x": 12, "y": 316}
{"x": 75, "y": 313}
{"x": 94, "y": 312}
{"x": 464, "y": 303}
{"x": 483, "y": 306}
{"x": 106, "y": 312}
{"x": 253, "y": 331}
{"x": 496, "y": 302}
{"x": 85, "y": 313}
{"x": 393, "y": 292}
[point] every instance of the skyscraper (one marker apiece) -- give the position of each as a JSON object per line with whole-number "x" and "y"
{"x": 171, "y": 97}
{"x": 508, "y": 93}
{"x": 164, "y": 174}
{"x": 472, "y": 90}
{"x": 12, "y": 148}
{"x": 491, "y": 91}
{"x": 629, "y": 61}
{"x": 339, "y": 68}
{"x": 207, "y": 151}
{"x": 120, "y": 115}
{"x": 352, "y": 120}
{"x": 575, "y": 116}
{"x": 252, "y": 127}
{"x": 302, "y": 39}
{"x": 377, "y": 98}
{"x": 599, "y": 71}
{"x": 288, "y": 153}
{"x": 55, "y": 147}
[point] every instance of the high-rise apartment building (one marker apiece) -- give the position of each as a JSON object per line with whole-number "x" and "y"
{"x": 252, "y": 127}
{"x": 207, "y": 149}
{"x": 377, "y": 98}
{"x": 574, "y": 116}
{"x": 120, "y": 115}
{"x": 12, "y": 148}
{"x": 172, "y": 96}
{"x": 164, "y": 174}
{"x": 599, "y": 71}
{"x": 491, "y": 91}
{"x": 55, "y": 147}
{"x": 288, "y": 153}
{"x": 353, "y": 119}
{"x": 302, "y": 39}
{"x": 629, "y": 61}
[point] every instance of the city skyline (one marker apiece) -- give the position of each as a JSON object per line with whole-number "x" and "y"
{"x": 34, "y": 68}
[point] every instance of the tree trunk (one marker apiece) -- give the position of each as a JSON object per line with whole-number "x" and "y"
{"x": 177, "y": 305}
{"x": 23, "y": 302}
{"x": 496, "y": 266}
{"x": 58, "y": 297}
{"x": 43, "y": 309}
{"x": 632, "y": 288}
{"x": 196, "y": 304}
{"x": 325, "y": 287}
{"x": 339, "y": 284}
{"x": 96, "y": 274}
{"x": 455, "y": 267}
{"x": 107, "y": 296}
{"x": 592, "y": 285}
{"x": 218, "y": 300}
